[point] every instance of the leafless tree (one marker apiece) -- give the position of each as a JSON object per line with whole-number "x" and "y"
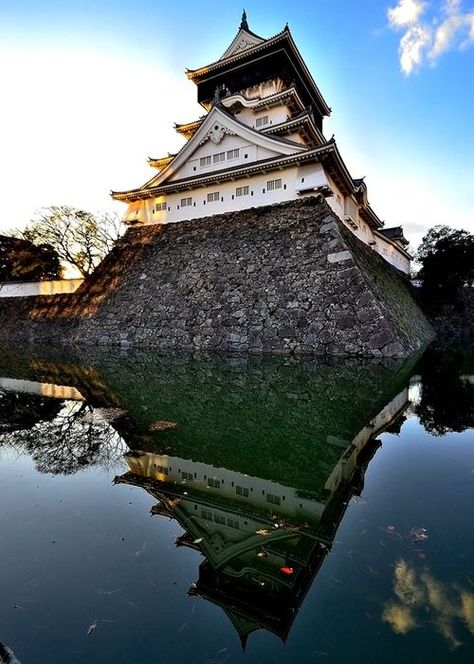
{"x": 67, "y": 442}
{"x": 80, "y": 238}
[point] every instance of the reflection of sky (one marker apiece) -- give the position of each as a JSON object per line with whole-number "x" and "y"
{"x": 420, "y": 598}
{"x": 92, "y": 89}
{"x": 414, "y": 392}
{"x": 397, "y": 579}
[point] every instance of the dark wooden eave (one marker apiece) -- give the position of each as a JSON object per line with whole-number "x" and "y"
{"x": 395, "y": 233}
{"x": 275, "y": 57}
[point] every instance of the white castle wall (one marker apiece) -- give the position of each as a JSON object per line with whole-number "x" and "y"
{"x": 297, "y": 182}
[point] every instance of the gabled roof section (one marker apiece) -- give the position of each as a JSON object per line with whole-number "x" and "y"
{"x": 264, "y": 166}
{"x": 303, "y": 122}
{"x": 243, "y": 40}
{"x": 216, "y": 125}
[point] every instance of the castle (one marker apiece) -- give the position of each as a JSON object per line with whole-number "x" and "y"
{"x": 260, "y": 142}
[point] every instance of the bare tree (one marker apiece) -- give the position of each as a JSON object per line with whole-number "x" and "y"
{"x": 61, "y": 437}
{"x": 80, "y": 238}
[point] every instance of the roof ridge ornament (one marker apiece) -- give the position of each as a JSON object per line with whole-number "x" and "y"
{"x": 243, "y": 23}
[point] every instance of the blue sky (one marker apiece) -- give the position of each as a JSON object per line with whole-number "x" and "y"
{"x": 90, "y": 90}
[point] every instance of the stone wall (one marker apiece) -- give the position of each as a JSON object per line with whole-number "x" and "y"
{"x": 287, "y": 278}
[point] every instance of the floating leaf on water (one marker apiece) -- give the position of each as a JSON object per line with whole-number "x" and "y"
{"x": 418, "y": 534}
{"x": 162, "y": 425}
{"x": 197, "y": 541}
{"x": 92, "y": 627}
{"x": 287, "y": 570}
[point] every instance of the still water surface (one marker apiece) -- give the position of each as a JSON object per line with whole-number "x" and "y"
{"x": 198, "y": 510}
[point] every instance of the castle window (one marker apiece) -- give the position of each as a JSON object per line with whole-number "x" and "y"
{"x": 159, "y": 207}
{"x": 219, "y": 519}
{"x": 242, "y": 191}
{"x": 262, "y": 121}
{"x": 206, "y": 514}
{"x": 187, "y": 476}
{"x": 186, "y": 202}
{"x": 233, "y": 523}
{"x": 275, "y": 500}
{"x": 273, "y": 184}
{"x": 242, "y": 491}
{"x": 212, "y": 482}
{"x": 213, "y": 196}
{"x": 205, "y": 161}
{"x": 220, "y": 156}
{"x": 233, "y": 154}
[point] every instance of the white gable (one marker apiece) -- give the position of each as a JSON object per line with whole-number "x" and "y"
{"x": 242, "y": 42}
{"x": 221, "y": 133}
{"x": 231, "y": 151}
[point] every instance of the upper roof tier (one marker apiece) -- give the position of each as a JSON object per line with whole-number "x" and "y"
{"x": 251, "y": 60}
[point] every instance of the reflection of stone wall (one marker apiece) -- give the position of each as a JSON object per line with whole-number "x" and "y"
{"x": 284, "y": 278}
{"x": 280, "y": 419}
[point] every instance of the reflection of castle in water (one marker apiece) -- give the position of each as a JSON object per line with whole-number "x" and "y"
{"x": 263, "y": 542}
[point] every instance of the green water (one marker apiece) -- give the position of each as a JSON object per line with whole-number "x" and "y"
{"x": 175, "y": 509}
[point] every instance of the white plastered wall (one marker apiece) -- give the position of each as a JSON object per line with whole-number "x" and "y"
{"x": 258, "y": 195}
{"x": 248, "y": 153}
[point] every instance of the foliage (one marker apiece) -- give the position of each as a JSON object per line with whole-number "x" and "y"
{"x": 22, "y": 260}
{"x": 447, "y": 259}
{"x": 447, "y": 398}
{"x": 79, "y": 237}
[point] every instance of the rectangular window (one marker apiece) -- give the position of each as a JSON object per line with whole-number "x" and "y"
{"x": 187, "y": 476}
{"x": 275, "y": 500}
{"x": 233, "y": 523}
{"x": 212, "y": 482}
{"x": 159, "y": 207}
{"x": 220, "y": 156}
{"x": 242, "y": 191}
{"x": 214, "y": 196}
{"x": 242, "y": 491}
{"x": 219, "y": 519}
{"x": 186, "y": 202}
{"x": 206, "y": 514}
{"x": 205, "y": 161}
{"x": 273, "y": 184}
{"x": 262, "y": 121}
{"x": 161, "y": 469}
{"x": 233, "y": 154}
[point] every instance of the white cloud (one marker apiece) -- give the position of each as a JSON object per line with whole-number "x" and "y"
{"x": 406, "y": 13}
{"x": 413, "y": 46}
{"x": 444, "y": 35}
{"x": 447, "y": 27}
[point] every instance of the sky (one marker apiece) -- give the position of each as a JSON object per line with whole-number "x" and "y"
{"x": 92, "y": 89}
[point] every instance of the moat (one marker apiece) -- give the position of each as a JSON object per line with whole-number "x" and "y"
{"x": 188, "y": 508}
